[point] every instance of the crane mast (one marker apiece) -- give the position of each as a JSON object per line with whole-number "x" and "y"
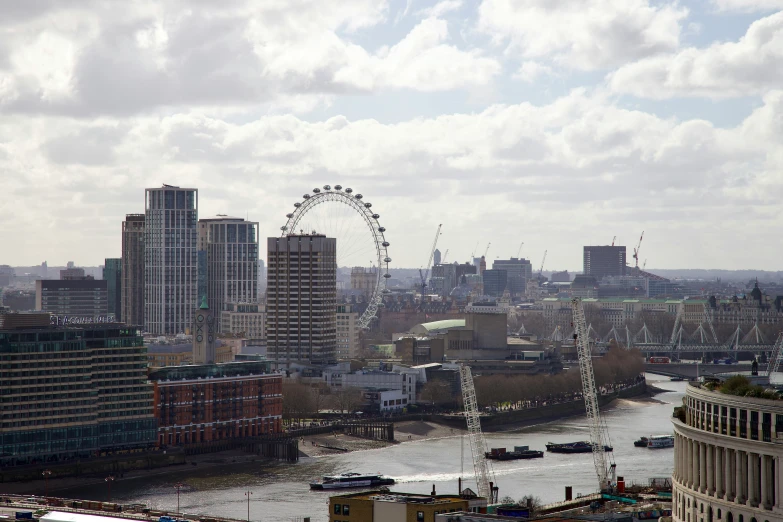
{"x": 443, "y": 261}
{"x": 478, "y": 446}
{"x": 636, "y": 250}
{"x": 602, "y": 466}
{"x": 487, "y": 249}
{"x": 542, "y": 264}
{"x": 777, "y": 354}
{"x": 520, "y": 248}
{"x": 426, "y": 272}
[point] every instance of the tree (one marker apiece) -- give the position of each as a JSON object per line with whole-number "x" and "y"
{"x": 297, "y": 401}
{"x": 436, "y": 393}
{"x": 346, "y": 399}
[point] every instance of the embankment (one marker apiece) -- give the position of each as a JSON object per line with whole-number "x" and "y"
{"x": 529, "y": 416}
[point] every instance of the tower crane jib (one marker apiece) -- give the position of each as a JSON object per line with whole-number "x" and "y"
{"x": 478, "y": 446}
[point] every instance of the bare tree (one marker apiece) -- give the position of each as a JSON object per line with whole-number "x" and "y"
{"x": 436, "y": 393}
{"x": 346, "y": 399}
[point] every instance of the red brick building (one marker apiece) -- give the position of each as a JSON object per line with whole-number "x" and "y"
{"x": 213, "y": 402}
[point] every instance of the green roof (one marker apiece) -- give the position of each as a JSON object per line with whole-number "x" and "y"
{"x": 443, "y": 325}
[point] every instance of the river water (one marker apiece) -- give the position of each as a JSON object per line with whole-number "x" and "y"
{"x": 281, "y": 491}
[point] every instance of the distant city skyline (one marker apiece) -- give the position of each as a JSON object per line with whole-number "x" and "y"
{"x": 506, "y": 121}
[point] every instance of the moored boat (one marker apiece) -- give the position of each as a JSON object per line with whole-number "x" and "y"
{"x": 573, "y": 447}
{"x": 520, "y": 452}
{"x": 641, "y": 443}
{"x": 660, "y": 441}
{"x": 352, "y": 480}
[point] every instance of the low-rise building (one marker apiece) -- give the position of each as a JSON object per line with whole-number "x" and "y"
{"x": 74, "y": 298}
{"x": 245, "y": 319}
{"x": 347, "y": 331}
{"x": 216, "y": 402}
{"x": 372, "y": 506}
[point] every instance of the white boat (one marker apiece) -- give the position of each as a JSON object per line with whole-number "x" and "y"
{"x": 660, "y": 441}
{"x": 352, "y": 480}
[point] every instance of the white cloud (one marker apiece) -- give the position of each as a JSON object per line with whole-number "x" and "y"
{"x": 298, "y": 54}
{"x": 441, "y": 8}
{"x": 750, "y": 66}
{"x": 570, "y": 164}
{"x": 748, "y": 5}
{"x": 531, "y": 71}
{"x": 582, "y": 34}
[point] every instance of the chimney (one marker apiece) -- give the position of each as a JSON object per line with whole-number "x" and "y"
{"x": 433, "y": 490}
{"x": 569, "y": 493}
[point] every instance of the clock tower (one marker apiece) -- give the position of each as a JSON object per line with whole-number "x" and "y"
{"x": 204, "y": 329}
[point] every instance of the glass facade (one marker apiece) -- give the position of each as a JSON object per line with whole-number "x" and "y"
{"x": 112, "y": 273}
{"x": 68, "y": 393}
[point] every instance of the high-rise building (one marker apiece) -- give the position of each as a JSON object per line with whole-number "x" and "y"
{"x": 132, "y": 292}
{"x": 112, "y": 274}
{"x": 231, "y": 246}
{"x": 170, "y": 259}
{"x": 261, "y": 279}
{"x": 72, "y": 273}
{"x": 102, "y": 400}
{"x": 302, "y": 298}
{"x": 247, "y": 320}
{"x": 74, "y": 298}
{"x": 443, "y": 280}
{"x": 495, "y": 282}
{"x": 519, "y": 272}
{"x": 436, "y": 256}
{"x": 602, "y": 261}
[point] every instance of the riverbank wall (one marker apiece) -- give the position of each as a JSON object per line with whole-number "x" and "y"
{"x": 529, "y": 416}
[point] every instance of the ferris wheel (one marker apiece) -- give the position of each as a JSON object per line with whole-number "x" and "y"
{"x": 339, "y": 213}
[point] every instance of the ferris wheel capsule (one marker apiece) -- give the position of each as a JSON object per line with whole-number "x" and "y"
{"x": 338, "y": 187}
{"x": 316, "y": 190}
{"x": 358, "y": 196}
{"x": 367, "y": 205}
{"x": 289, "y": 216}
{"x": 387, "y": 275}
{"x": 348, "y": 190}
{"x": 381, "y": 229}
{"x": 327, "y": 187}
{"x": 297, "y": 204}
{"x": 387, "y": 260}
{"x": 385, "y": 243}
{"x": 306, "y": 196}
{"x": 376, "y": 216}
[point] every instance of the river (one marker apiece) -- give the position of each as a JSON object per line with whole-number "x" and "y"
{"x": 281, "y": 492}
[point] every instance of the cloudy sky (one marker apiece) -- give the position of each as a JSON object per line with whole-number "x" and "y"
{"x": 554, "y": 123}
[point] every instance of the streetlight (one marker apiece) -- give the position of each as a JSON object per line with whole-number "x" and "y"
{"x": 178, "y": 486}
{"x": 247, "y": 494}
{"x": 109, "y": 480}
{"x": 46, "y": 474}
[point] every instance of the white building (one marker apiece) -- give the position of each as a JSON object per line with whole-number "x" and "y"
{"x": 382, "y": 381}
{"x": 231, "y": 248}
{"x": 347, "y": 332}
{"x": 170, "y": 259}
{"x": 246, "y": 319}
{"x": 728, "y": 459}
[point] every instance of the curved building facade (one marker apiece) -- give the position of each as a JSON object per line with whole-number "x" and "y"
{"x": 728, "y": 459}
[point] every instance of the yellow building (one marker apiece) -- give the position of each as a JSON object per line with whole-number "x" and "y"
{"x": 377, "y": 506}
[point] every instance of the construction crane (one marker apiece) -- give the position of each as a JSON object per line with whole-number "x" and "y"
{"x": 487, "y": 249}
{"x": 636, "y": 250}
{"x": 482, "y": 470}
{"x": 520, "y": 248}
{"x": 443, "y": 261}
{"x": 613, "y": 240}
{"x": 598, "y": 439}
{"x": 644, "y": 265}
{"x": 473, "y": 253}
{"x": 426, "y": 272}
{"x": 542, "y": 264}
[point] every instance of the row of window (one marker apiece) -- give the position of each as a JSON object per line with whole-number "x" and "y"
{"x": 732, "y": 421}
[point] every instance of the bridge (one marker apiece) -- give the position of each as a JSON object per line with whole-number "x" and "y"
{"x": 692, "y": 371}
{"x": 668, "y": 349}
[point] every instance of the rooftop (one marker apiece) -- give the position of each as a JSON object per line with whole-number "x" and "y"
{"x": 444, "y": 324}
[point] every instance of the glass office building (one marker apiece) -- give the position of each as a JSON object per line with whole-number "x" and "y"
{"x": 71, "y": 392}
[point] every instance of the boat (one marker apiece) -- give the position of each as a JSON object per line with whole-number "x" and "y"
{"x": 352, "y": 480}
{"x": 660, "y": 441}
{"x": 677, "y": 379}
{"x": 573, "y": 447}
{"x": 641, "y": 443}
{"x": 520, "y": 452}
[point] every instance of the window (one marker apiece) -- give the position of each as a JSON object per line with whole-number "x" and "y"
{"x": 337, "y": 509}
{"x": 718, "y": 512}
{"x": 729, "y": 517}
{"x": 346, "y": 509}
{"x": 420, "y": 516}
{"x": 741, "y": 518}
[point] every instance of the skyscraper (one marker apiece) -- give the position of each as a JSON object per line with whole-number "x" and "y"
{"x": 132, "y": 310}
{"x": 436, "y": 257}
{"x": 170, "y": 259}
{"x": 302, "y": 298}
{"x": 112, "y": 273}
{"x": 231, "y": 246}
{"x": 519, "y": 272}
{"x": 602, "y": 261}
